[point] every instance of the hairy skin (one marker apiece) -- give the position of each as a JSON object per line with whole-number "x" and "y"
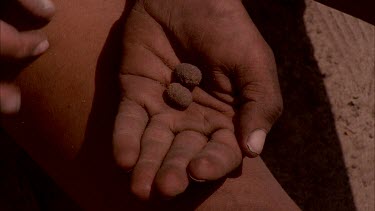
{"x": 238, "y": 94}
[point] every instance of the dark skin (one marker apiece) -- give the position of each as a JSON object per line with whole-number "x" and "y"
{"x": 164, "y": 146}
{"x": 15, "y": 45}
{"x": 239, "y": 93}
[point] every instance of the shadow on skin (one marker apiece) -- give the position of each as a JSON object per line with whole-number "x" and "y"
{"x": 98, "y": 137}
{"x": 98, "y": 141}
{"x": 16, "y": 15}
{"x": 24, "y": 185}
{"x": 303, "y": 150}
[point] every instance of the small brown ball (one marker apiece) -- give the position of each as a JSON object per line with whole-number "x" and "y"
{"x": 178, "y": 96}
{"x": 188, "y": 75}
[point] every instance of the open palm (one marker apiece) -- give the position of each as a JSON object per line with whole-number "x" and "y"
{"x": 162, "y": 145}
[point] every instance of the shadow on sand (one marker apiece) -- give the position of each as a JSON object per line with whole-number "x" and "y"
{"x": 303, "y": 150}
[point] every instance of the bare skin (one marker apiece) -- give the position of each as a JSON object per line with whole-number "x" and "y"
{"x": 239, "y": 90}
{"x": 15, "y": 44}
{"x": 55, "y": 129}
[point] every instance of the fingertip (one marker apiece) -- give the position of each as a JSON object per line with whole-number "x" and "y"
{"x": 40, "y": 48}
{"x": 141, "y": 182}
{"x": 48, "y": 9}
{"x": 10, "y": 99}
{"x": 202, "y": 169}
{"x": 41, "y": 8}
{"x": 254, "y": 123}
{"x": 255, "y": 142}
{"x": 126, "y": 160}
{"x": 141, "y": 191}
{"x": 20, "y": 45}
{"x": 221, "y": 156}
{"x": 171, "y": 183}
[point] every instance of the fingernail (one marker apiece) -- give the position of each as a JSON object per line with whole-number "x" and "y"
{"x": 47, "y": 9}
{"x": 10, "y": 101}
{"x": 40, "y": 48}
{"x": 196, "y": 180}
{"x": 256, "y": 141}
{"x": 48, "y": 5}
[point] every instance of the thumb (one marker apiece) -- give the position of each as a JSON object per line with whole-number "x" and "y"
{"x": 10, "y": 99}
{"x": 39, "y": 8}
{"x": 261, "y": 103}
{"x": 255, "y": 121}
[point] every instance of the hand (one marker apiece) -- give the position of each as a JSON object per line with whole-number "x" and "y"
{"x": 239, "y": 95}
{"x": 15, "y": 45}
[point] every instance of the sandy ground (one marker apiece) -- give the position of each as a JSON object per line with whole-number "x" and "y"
{"x": 322, "y": 148}
{"x": 344, "y": 47}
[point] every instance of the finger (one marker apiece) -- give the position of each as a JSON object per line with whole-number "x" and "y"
{"x": 131, "y": 121}
{"x": 155, "y": 144}
{"x": 18, "y": 45}
{"x": 261, "y": 101}
{"x": 10, "y": 99}
{"x": 220, "y": 157}
{"x": 172, "y": 178}
{"x": 39, "y": 8}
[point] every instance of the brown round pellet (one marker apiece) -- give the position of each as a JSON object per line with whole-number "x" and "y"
{"x": 178, "y": 96}
{"x": 188, "y": 75}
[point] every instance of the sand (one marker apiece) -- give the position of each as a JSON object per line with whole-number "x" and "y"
{"x": 322, "y": 148}
{"x": 344, "y": 47}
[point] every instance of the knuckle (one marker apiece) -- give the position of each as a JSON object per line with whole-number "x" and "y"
{"x": 125, "y": 155}
{"x": 172, "y": 183}
{"x": 253, "y": 91}
{"x": 142, "y": 191}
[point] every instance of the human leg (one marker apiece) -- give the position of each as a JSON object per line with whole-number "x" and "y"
{"x": 68, "y": 112}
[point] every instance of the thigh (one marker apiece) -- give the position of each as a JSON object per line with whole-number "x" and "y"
{"x": 69, "y": 101}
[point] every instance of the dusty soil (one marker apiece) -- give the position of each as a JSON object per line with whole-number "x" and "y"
{"x": 322, "y": 148}
{"x": 344, "y": 47}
